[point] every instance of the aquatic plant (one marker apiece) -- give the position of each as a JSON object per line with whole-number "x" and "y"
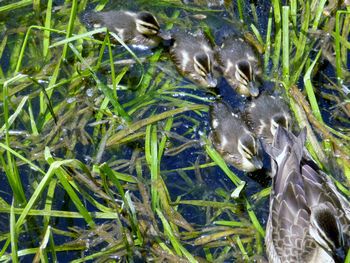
{"x": 103, "y": 148}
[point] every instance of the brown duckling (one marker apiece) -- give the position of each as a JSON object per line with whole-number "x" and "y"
{"x": 193, "y": 58}
{"x": 139, "y": 29}
{"x": 265, "y": 114}
{"x": 240, "y": 66}
{"x": 233, "y": 140}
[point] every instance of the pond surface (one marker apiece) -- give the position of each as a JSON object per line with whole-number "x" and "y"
{"x": 137, "y": 181}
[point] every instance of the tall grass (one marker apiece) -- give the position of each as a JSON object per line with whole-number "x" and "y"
{"x": 107, "y": 130}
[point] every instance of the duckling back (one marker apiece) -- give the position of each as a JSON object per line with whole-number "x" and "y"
{"x": 309, "y": 219}
{"x": 140, "y": 29}
{"x": 120, "y": 22}
{"x": 226, "y": 125}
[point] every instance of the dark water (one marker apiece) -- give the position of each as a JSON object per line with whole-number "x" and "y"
{"x": 212, "y": 178}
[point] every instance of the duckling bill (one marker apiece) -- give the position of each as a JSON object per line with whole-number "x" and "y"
{"x": 193, "y": 58}
{"x": 240, "y": 66}
{"x": 140, "y": 29}
{"x": 233, "y": 140}
{"x": 309, "y": 219}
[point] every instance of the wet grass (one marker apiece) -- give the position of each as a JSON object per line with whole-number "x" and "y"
{"x": 107, "y": 130}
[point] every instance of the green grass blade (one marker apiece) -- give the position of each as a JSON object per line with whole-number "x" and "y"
{"x": 70, "y": 27}
{"x": 310, "y": 91}
{"x": 338, "y": 64}
{"x": 173, "y": 239}
{"x": 114, "y": 139}
{"x": 268, "y": 41}
{"x": 13, "y": 232}
{"x": 16, "y": 5}
{"x": 285, "y": 44}
{"x": 278, "y": 34}
{"x": 46, "y": 40}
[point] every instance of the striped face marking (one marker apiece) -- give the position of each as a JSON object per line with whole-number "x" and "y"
{"x": 247, "y": 146}
{"x": 244, "y": 72}
{"x": 147, "y": 24}
{"x": 202, "y": 63}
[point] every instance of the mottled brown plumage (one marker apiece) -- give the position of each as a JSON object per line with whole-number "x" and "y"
{"x": 265, "y": 113}
{"x": 309, "y": 219}
{"x": 240, "y": 65}
{"x": 193, "y": 58}
{"x": 140, "y": 29}
{"x": 233, "y": 140}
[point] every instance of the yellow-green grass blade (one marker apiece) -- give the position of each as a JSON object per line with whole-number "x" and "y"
{"x": 13, "y": 6}
{"x": 13, "y": 235}
{"x": 114, "y": 139}
{"x": 285, "y": 44}
{"x": 46, "y": 40}
{"x": 309, "y": 90}
{"x": 179, "y": 248}
{"x": 278, "y": 34}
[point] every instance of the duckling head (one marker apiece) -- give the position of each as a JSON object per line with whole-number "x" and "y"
{"x": 246, "y": 79}
{"x": 147, "y": 24}
{"x": 250, "y": 150}
{"x": 202, "y": 63}
{"x": 279, "y": 119}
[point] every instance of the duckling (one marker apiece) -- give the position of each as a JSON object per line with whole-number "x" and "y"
{"x": 233, "y": 140}
{"x": 240, "y": 66}
{"x": 193, "y": 58}
{"x": 265, "y": 114}
{"x": 309, "y": 219}
{"x": 140, "y": 29}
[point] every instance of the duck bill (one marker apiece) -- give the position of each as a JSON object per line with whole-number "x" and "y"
{"x": 253, "y": 89}
{"x": 164, "y": 35}
{"x": 212, "y": 82}
{"x": 258, "y": 164}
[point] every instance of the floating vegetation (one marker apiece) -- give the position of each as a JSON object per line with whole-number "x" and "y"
{"x": 104, "y": 147}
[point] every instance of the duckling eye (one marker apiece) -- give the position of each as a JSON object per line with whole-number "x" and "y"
{"x": 244, "y": 72}
{"x": 146, "y": 28}
{"x": 247, "y": 152}
{"x": 202, "y": 64}
{"x": 147, "y": 18}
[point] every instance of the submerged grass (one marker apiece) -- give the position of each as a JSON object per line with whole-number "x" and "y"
{"x": 107, "y": 129}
